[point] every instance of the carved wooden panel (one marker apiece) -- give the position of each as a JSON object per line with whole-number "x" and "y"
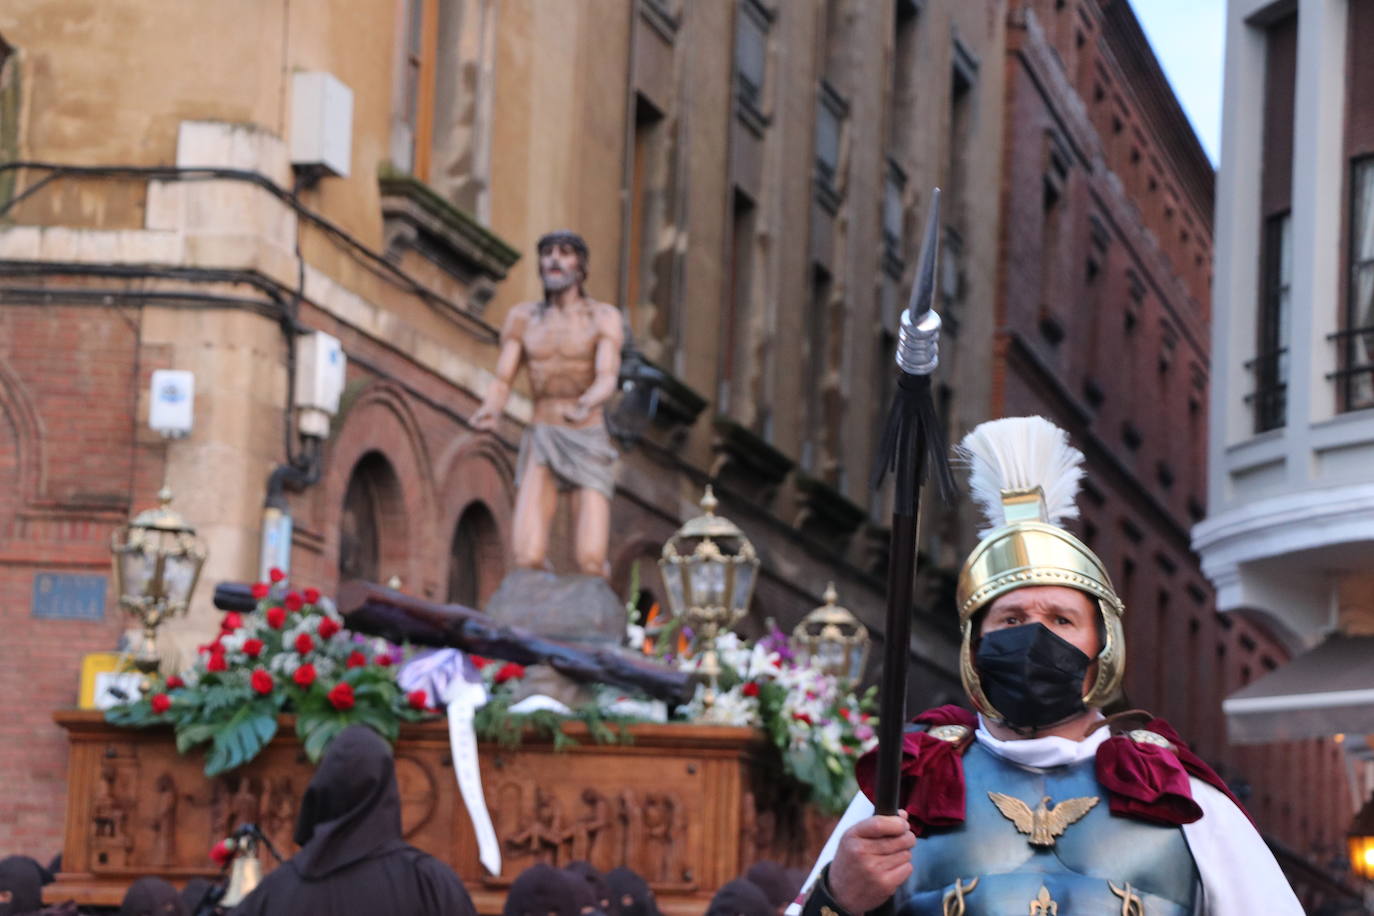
{"x": 676, "y": 806}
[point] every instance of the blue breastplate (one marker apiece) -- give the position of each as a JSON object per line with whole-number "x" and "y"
{"x": 1098, "y": 865}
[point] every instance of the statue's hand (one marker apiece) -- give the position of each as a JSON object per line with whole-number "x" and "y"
{"x": 577, "y": 413}
{"x": 484, "y": 419}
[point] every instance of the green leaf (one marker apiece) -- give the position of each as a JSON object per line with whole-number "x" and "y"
{"x": 138, "y": 714}
{"x": 241, "y": 738}
{"x": 191, "y": 735}
{"x": 379, "y": 721}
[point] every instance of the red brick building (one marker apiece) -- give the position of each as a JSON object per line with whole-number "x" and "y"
{"x": 1103, "y": 325}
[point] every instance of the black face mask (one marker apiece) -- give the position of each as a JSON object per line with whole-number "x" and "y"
{"x": 1031, "y": 676}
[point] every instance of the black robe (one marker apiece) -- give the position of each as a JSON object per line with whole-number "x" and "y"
{"x": 352, "y": 858}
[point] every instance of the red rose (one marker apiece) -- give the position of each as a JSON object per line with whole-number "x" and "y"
{"x": 276, "y": 575}
{"x": 252, "y": 647}
{"x": 383, "y": 661}
{"x": 161, "y": 703}
{"x": 844, "y": 713}
{"x": 509, "y": 670}
{"x": 304, "y": 676}
{"x": 750, "y": 689}
{"x": 304, "y": 643}
{"x": 260, "y": 590}
{"x": 802, "y": 717}
{"x": 293, "y": 601}
{"x": 479, "y": 662}
{"x": 222, "y": 853}
{"x": 417, "y": 699}
{"x": 312, "y": 596}
{"x": 216, "y": 662}
{"x": 341, "y": 696}
{"x": 262, "y": 681}
{"x": 276, "y": 617}
{"x": 356, "y": 659}
{"x": 174, "y": 682}
{"x": 328, "y": 627}
{"x": 231, "y": 622}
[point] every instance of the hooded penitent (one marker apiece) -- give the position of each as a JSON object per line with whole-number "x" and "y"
{"x": 740, "y": 898}
{"x": 1024, "y": 477}
{"x": 21, "y": 886}
{"x": 542, "y": 890}
{"x": 587, "y": 873}
{"x": 152, "y": 897}
{"x": 353, "y": 858}
{"x": 777, "y": 884}
{"x": 630, "y": 894}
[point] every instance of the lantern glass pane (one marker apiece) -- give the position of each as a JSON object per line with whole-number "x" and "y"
{"x": 672, "y": 584}
{"x": 1362, "y": 856}
{"x": 178, "y": 576}
{"x": 744, "y": 586}
{"x": 708, "y": 582}
{"x": 856, "y": 663}
{"x": 832, "y": 658}
{"x": 135, "y": 571}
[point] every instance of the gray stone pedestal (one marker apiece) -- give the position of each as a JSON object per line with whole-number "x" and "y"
{"x": 576, "y": 609}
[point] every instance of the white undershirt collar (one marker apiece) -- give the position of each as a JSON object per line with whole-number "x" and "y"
{"x": 1043, "y": 752}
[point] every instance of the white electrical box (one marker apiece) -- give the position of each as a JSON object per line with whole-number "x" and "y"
{"x": 321, "y": 123}
{"x": 320, "y": 364}
{"x": 171, "y": 404}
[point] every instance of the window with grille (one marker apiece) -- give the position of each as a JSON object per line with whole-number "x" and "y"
{"x": 1270, "y": 365}
{"x": 1358, "y": 370}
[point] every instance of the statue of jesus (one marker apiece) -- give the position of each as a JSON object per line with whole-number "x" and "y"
{"x": 570, "y": 345}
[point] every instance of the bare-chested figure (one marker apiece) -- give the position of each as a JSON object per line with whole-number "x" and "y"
{"x": 570, "y": 345}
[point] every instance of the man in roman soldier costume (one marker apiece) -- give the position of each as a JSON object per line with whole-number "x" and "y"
{"x": 1038, "y": 803}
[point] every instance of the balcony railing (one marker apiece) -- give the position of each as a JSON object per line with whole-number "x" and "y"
{"x": 1269, "y": 400}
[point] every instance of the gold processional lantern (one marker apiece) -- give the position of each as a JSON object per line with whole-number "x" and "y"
{"x": 833, "y": 637}
{"x": 1360, "y": 841}
{"x": 709, "y": 569}
{"x": 157, "y": 561}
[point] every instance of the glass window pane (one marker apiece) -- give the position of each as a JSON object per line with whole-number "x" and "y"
{"x": 751, "y": 50}
{"x": 1360, "y": 311}
{"x": 827, "y": 140}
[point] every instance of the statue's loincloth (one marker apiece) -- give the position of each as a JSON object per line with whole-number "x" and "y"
{"x": 578, "y": 458}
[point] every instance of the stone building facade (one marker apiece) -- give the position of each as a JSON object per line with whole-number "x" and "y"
{"x": 752, "y": 177}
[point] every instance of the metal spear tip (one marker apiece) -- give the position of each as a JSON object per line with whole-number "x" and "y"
{"x": 918, "y": 336}
{"x": 923, "y": 289}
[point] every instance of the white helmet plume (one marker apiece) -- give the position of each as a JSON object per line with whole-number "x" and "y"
{"x": 1021, "y": 453}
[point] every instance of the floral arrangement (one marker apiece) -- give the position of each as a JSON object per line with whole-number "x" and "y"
{"x": 815, "y": 721}
{"x": 496, "y": 722}
{"x": 290, "y": 655}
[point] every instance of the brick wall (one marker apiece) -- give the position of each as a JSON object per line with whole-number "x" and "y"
{"x": 70, "y": 459}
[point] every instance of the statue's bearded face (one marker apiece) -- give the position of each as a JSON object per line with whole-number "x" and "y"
{"x": 559, "y": 267}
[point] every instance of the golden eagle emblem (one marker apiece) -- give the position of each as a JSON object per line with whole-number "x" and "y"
{"x": 1044, "y": 823}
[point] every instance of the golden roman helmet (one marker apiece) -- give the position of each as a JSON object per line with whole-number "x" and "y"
{"x": 1024, "y": 475}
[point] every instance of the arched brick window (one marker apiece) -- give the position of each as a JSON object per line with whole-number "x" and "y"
{"x": 371, "y": 502}
{"x": 474, "y": 564}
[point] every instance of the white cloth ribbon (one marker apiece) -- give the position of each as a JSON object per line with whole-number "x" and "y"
{"x": 449, "y": 678}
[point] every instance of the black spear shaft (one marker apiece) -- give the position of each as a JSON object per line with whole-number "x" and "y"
{"x": 901, "y": 575}
{"x": 912, "y": 445}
